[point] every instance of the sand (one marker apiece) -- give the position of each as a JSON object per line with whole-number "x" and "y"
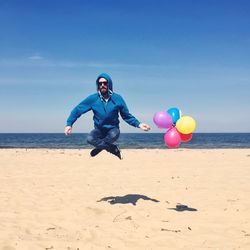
{"x": 152, "y": 199}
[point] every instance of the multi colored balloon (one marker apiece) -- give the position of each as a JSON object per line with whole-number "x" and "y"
{"x": 179, "y": 128}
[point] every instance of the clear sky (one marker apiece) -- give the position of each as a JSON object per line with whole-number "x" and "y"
{"x": 190, "y": 54}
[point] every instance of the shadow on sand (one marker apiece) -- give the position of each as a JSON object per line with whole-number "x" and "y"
{"x": 126, "y": 199}
{"x": 180, "y": 208}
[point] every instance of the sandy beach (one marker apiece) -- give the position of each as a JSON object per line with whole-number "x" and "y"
{"x": 152, "y": 199}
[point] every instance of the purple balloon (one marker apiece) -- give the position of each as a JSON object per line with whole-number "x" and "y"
{"x": 172, "y": 138}
{"x": 163, "y": 119}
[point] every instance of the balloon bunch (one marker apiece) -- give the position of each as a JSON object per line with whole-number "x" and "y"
{"x": 179, "y": 128}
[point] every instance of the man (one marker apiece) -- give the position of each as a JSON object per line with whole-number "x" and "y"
{"x": 106, "y": 106}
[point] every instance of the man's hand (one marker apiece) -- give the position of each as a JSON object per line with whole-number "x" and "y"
{"x": 68, "y": 130}
{"x": 144, "y": 127}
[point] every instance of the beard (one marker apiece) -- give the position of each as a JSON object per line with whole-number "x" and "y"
{"x": 104, "y": 91}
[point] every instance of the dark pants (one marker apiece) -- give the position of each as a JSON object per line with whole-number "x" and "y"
{"x": 103, "y": 139}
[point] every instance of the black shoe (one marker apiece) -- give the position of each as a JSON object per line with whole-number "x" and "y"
{"x": 95, "y": 152}
{"x": 114, "y": 149}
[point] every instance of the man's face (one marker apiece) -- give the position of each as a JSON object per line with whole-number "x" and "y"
{"x": 103, "y": 85}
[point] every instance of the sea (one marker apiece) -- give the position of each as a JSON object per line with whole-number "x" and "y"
{"x": 125, "y": 141}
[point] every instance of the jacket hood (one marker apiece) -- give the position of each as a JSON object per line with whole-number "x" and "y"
{"x": 108, "y": 78}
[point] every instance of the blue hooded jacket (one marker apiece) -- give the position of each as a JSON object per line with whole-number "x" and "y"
{"x": 106, "y": 114}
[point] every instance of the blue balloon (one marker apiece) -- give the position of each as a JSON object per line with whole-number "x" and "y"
{"x": 175, "y": 114}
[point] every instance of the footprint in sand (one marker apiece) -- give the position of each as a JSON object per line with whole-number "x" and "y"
{"x": 95, "y": 210}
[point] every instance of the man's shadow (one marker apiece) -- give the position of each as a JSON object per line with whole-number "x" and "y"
{"x": 181, "y": 208}
{"x": 126, "y": 199}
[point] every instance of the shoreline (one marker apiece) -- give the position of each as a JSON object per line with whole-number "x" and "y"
{"x": 125, "y": 141}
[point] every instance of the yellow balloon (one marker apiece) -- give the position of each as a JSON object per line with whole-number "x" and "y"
{"x": 186, "y": 125}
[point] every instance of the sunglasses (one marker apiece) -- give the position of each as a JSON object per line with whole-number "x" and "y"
{"x": 102, "y": 83}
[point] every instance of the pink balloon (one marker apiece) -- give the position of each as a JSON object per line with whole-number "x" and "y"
{"x": 163, "y": 119}
{"x": 172, "y": 138}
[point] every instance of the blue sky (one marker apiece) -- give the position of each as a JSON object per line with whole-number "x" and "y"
{"x": 189, "y": 54}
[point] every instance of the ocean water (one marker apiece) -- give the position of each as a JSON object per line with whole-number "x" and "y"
{"x": 126, "y": 140}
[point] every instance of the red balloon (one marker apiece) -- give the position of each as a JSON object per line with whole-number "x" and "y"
{"x": 172, "y": 138}
{"x": 186, "y": 137}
